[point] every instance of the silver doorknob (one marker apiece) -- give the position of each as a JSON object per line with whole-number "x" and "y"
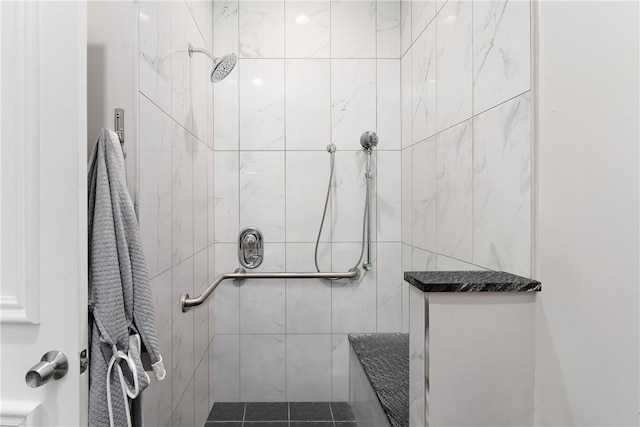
{"x": 53, "y": 364}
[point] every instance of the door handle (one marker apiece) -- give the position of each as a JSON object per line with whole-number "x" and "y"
{"x": 53, "y": 364}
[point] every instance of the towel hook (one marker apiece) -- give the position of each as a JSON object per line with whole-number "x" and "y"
{"x": 118, "y": 117}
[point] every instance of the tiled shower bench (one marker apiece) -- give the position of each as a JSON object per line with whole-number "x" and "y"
{"x": 471, "y": 344}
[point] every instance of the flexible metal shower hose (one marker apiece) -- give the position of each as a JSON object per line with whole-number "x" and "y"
{"x": 324, "y": 214}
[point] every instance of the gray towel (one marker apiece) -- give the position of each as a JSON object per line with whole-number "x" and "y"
{"x": 120, "y": 300}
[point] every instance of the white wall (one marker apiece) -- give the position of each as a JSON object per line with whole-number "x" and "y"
{"x": 112, "y": 76}
{"x": 587, "y": 253}
{"x": 298, "y": 86}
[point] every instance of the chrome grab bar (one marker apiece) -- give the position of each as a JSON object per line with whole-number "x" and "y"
{"x": 240, "y": 274}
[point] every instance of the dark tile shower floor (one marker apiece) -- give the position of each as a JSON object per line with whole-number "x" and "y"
{"x": 281, "y": 414}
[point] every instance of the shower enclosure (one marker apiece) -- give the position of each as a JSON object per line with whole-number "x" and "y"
{"x": 250, "y": 151}
{"x": 450, "y": 181}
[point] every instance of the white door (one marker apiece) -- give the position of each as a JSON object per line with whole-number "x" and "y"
{"x": 43, "y": 234}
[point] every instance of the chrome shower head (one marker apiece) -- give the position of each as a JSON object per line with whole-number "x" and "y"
{"x": 222, "y": 66}
{"x": 368, "y": 140}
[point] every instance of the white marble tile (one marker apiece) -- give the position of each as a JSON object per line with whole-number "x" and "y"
{"x": 388, "y": 33}
{"x": 155, "y": 209}
{"x": 227, "y": 196}
{"x": 181, "y": 24}
{"x": 227, "y": 295}
{"x": 417, "y": 321}
{"x": 262, "y": 104}
{"x": 445, "y": 263}
{"x": 389, "y": 104}
{"x": 423, "y": 84}
{"x": 454, "y": 215}
{"x": 200, "y": 196}
{"x": 405, "y": 25}
{"x": 308, "y": 29}
{"x": 211, "y": 201}
{"x": 308, "y": 104}
{"x": 154, "y": 127}
{"x": 348, "y": 196}
{"x": 353, "y": 29}
{"x": 407, "y": 196}
{"x": 202, "y": 11}
{"x": 210, "y": 379}
{"x": 308, "y": 300}
{"x": 389, "y": 196}
{"x": 501, "y": 51}
{"x": 182, "y": 330}
{"x": 389, "y": 311}
{"x": 200, "y": 313}
{"x": 201, "y": 387}
{"x": 211, "y": 303}
{"x": 307, "y": 174}
{"x": 406, "y": 101}
{"x": 225, "y": 27}
{"x": 262, "y": 301}
{"x": 423, "y": 200}
{"x": 163, "y": 304}
{"x": 309, "y": 368}
{"x": 406, "y": 266}
{"x": 183, "y": 414}
{"x": 201, "y": 87}
{"x": 225, "y": 98}
{"x": 362, "y": 398}
{"x": 155, "y": 52}
{"x": 262, "y": 189}
{"x": 422, "y": 260}
{"x": 182, "y": 195}
{"x": 340, "y": 367}
{"x": 353, "y": 303}
{"x": 422, "y": 13}
{"x": 226, "y": 113}
{"x": 224, "y": 375}
{"x": 261, "y": 29}
{"x": 454, "y": 64}
{"x": 502, "y": 187}
{"x": 262, "y": 368}
{"x": 353, "y": 101}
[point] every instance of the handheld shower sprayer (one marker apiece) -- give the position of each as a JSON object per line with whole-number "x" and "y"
{"x": 368, "y": 140}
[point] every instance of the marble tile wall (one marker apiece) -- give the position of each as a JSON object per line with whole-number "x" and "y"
{"x": 309, "y": 73}
{"x": 175, "y": 121}
{"x": 466, "y": 136}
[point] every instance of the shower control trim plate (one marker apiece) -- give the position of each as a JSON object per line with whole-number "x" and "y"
{"x": 250, "y": 247}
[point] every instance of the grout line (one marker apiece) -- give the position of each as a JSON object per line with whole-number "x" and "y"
{"x": 467, "y": 119}
{"x": 244, "y": 414}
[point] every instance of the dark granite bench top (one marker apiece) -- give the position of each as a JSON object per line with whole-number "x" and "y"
{"x": 385, "y": 359}
{"x": 470, "y": 281}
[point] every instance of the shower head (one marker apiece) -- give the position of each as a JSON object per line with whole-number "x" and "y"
{"x": 368, "y": 140}
{"x": 221, "y": 66}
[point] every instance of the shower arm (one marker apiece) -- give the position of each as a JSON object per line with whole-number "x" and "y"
{"x": 193, "y": 50}
{"x": 187, "y": 302}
